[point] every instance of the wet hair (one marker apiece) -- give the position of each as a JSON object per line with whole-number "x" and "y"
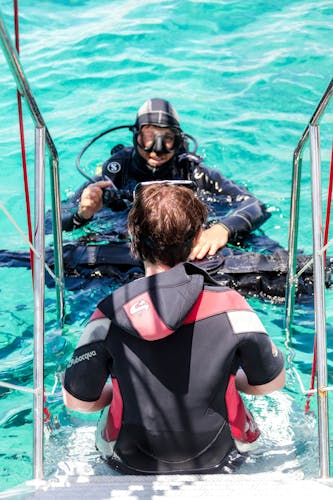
{"x": 163, "y": 222}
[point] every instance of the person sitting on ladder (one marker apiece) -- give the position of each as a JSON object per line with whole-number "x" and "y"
{"x": 177, "y": 346}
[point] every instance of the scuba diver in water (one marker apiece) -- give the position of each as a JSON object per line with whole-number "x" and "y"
{"x": 178, "y": 348}
{"x": 160, "y": 151}
{"x": 232, "y": 244}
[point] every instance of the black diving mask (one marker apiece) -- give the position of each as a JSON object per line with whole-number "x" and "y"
{"x": 159, "y": 142}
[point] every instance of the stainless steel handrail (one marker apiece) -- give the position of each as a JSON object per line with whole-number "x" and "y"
{"x": 294, "y": 207}
{"x": 42, "y": 136}
{"x": 319, "y": 293}
{"x": 39, "y": 295}
{"x": 312, "y": 130}
{"x": 23, "y": 87}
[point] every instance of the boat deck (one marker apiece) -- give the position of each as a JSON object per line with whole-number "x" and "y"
{"x": 235, "y": 486}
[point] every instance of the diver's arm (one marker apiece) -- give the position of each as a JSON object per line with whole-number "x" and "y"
{"x": 210, "y": 241}
{"x": 88, "y": 406}
{"x": 73, "y": 221}
{"x": 261, "y": 363}
{"x": 70, "y": 219}
{"x": 249, "y": 215}
{"x": 85, "y": 380}
{"x": 89, "y": 200}
{"x": 92, "y": 199}
{"x": 249, "y": 212}
{"x": 243, "y": 385}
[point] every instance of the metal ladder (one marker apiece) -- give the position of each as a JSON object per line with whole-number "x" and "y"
{"x": 312, "y": 131}
{"x": 42, "y": 137}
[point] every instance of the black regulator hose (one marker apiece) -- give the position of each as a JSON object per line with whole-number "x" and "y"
{"x": 94, "y": 139}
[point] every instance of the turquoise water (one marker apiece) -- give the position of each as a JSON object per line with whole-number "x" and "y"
{"x": 245, "y": 78}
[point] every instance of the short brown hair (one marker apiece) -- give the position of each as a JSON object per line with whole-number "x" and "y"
{"x": 163, "y": 222}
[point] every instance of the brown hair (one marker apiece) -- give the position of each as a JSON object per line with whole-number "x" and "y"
{"x": 163, "y": 222}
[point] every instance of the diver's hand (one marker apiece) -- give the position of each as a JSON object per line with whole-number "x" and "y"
{"x": 92, "y": 199}
{"x": 210, "y": 241}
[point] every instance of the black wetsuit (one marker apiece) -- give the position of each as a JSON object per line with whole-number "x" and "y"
{"x": 252, "y": 263}
{"x": 172, "y": 341}
{"x": 228, "y": 203}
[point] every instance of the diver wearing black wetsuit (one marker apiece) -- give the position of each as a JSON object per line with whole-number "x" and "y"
{"x": 161, "y": 152}
{"x": 242, "y": 212}
{"x": 231, "y": 205}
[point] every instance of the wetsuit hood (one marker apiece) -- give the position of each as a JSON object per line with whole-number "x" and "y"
{"x": 157, "y": 112}
{"x": 154, "y": 307}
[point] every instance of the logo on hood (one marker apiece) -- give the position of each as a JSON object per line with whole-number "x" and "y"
{"x": 139, "y": 306}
